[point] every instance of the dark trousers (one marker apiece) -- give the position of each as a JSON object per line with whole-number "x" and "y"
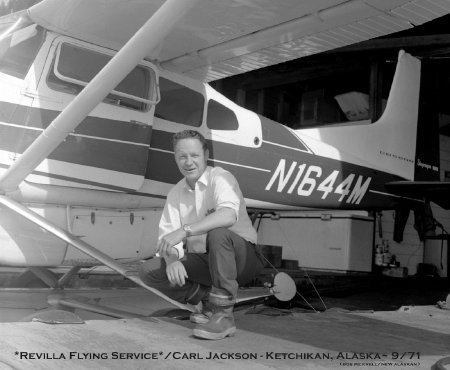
{"x": 230, "y": 261}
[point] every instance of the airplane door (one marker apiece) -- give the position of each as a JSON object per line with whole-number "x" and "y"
{"x": 109, "y": 149}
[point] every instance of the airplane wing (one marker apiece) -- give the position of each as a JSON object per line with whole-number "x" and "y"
{"x": 435, "y": 191}
{"x": 220, "y": 38}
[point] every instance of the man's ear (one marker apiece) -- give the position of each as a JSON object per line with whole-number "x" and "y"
{"x": 207, "y": 154}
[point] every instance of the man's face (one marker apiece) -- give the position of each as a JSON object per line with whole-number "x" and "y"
{"x": 191, "y": 159}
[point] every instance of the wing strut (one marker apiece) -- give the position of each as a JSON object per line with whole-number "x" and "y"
{"x": 82, "y": 246}
{"x": 140, "y": 45}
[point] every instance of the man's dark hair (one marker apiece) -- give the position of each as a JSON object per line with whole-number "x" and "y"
{"x": 189, "y": 134}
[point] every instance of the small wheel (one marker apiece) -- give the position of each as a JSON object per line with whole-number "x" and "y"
{"x": 284, "y": 288}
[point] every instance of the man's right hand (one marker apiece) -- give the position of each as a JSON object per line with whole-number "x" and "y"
{"x": 176, "y": 273}
{"x": 165, "y": 246}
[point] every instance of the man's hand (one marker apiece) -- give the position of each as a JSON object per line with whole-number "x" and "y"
{"x": 166, "y": 243}
{"x": 176, "y": 273}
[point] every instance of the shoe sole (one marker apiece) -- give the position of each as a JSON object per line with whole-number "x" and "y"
{"x": 199, "y": 333}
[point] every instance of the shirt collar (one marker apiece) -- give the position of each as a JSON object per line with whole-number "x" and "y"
{"x": 203, "y": 179}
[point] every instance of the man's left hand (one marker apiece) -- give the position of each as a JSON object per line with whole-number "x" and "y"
{"x": 176, "y": 273}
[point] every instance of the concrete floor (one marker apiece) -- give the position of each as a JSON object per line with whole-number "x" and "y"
{"x": 393, "y": 324}
{"x": 265, "y": 339}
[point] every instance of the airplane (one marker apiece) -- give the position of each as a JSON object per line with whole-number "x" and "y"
{"x": 92, "y": 92}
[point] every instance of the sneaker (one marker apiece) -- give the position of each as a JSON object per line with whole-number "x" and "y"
{"x": 220, "y": 325}
{"x": 204, "y": 315}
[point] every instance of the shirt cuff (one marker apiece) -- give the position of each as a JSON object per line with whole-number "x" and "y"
{"x": 180, "y": 250}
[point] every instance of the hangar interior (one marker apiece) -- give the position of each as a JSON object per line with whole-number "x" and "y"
{"x": 349, "y": 84}
{"x": 339, "y": 87}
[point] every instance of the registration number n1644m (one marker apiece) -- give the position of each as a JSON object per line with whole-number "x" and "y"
{"x": 304, "y": 180}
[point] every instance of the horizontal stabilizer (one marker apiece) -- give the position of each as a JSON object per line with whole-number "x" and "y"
{"x": 435, "y": 191}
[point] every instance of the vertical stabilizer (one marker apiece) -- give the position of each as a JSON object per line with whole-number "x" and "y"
{"x": 396, "y": 130}
{"x": 388, "y": 144}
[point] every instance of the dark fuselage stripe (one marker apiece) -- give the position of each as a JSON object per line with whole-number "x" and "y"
{"x": 97, "y": 142}
{"x": 91, "y": 126}
{"x": 92, "y": 183}
{"x": 109, "y": 155}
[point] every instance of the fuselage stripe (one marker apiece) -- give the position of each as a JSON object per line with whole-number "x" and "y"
{"x": 112, "y": 140}
{"x": 39, "y": 118}
{"x": 162, "y": 150}
{"x": 92, "y": 183}
{"x": 21, "y": 126}
{"x": 241, "y": 165}
{"x": 287, "y": 147}
{"x": 394, "y": 195}
{"x": 73, "y": 134}
{"x": 216, "y": 161}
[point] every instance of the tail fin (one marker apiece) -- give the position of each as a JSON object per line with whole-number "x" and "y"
{"x": 396, "y": 131}
{"x": 388, "y": 144}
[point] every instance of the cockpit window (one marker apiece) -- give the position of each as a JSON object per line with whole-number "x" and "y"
{"x": 20, "y": 41}
{"x": 179, "y": 104}
{"x": 74, "y": 67}
{"x": 220, "y": 117}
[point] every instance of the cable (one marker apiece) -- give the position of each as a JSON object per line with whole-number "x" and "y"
{"x": 296, "y": 291}
{"x": 260, "y": 216}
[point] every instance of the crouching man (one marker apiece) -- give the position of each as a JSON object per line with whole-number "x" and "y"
{"x": 206, "y": 214}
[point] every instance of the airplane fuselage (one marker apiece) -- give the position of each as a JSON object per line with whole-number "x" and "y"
{"x": 117, "y": 166}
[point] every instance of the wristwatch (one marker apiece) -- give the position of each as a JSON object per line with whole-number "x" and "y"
{"x": 187, "y": 229}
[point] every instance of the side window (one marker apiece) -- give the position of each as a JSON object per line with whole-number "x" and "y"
{"x": 220, "y": 117}
{"x": 18, "y": 50}
{"x": 179, "y": 104}
{"x": 74, "y": 67}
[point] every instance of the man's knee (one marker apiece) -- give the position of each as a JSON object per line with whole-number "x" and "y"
{"x": 152, "y": 272}
{"x": 217, "y": 238}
